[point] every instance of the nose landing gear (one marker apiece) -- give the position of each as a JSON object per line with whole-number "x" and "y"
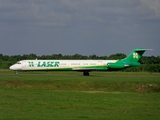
{"x": 16, "y": 72}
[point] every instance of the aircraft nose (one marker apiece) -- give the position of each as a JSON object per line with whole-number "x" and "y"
{"x": 12, "y": 67}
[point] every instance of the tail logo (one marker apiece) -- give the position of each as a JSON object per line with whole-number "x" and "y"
{"x": 135, "y": 55}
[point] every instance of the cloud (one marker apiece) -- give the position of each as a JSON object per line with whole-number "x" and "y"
{"x": 153, "y": 6}
{"x": 63, "y": 12}
{"x": 70, "y": 23}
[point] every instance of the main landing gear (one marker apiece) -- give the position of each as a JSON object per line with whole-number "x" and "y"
{"x": 86, "y": 73}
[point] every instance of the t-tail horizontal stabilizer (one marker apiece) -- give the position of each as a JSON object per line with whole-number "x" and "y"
{"x": 131, "y": 60}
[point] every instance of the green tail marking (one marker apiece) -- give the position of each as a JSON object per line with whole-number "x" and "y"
{"x": 135, "y": 55}
{"x": 130, "y": 61}
{"x": 133, "y": 58}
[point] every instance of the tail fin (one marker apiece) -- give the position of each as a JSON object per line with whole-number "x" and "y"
{"x": 130, "y": 61}
{"x": 134, "y": 56}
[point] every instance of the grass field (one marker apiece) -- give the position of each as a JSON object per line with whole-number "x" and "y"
{"x": 70, "y": 95}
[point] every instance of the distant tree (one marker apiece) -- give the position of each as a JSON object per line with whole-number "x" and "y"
{"x": 5, "y": 58}
{"x": 32, "y": 56}
{"x": 77, "y": 56}
{"x": 93, "y": 56}
{"x": 117, "y": 56}
{"x": 149, "y": 63}
{"x": 1, "y": 56}
{"x": 103, "y": 57}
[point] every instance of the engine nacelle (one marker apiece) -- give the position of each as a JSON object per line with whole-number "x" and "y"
{"x": 116, "y": 65}
{"x": 135, "y": 64}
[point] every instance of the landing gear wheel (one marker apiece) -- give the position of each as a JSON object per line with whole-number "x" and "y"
{"x": 86, "y": 73}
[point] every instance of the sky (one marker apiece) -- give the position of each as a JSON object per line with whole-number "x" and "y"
{"x": 86, "y": 27}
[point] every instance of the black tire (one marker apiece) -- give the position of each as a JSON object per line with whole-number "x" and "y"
{"x": 86, "y": 73}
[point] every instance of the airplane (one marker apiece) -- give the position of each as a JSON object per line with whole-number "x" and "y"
{"x": 84, "y": 66}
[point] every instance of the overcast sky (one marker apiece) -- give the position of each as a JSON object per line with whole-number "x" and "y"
{"x": 86, "y": 27}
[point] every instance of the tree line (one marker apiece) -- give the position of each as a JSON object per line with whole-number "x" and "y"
{"x": 149, "y": 63}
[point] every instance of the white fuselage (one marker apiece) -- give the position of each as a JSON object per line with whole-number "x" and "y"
{"x": 78, "y": 65}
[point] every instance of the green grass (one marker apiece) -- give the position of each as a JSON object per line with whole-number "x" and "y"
{"x": 69, "y": 95}
{"x": 38, "y": 104}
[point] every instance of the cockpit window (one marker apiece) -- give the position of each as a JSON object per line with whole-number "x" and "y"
{"x": 18, "y": 62}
